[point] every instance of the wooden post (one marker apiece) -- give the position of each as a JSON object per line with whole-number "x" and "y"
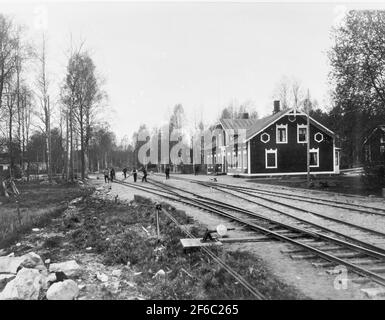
{"x": 158, "y": 207}
{"x": 308, "y": 139}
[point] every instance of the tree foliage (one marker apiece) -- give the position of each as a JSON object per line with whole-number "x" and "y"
{"x": 358, "y": 76}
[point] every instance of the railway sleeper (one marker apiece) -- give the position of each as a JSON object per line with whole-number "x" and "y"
{"x": 324, "y": 248}
{"x": 364, "y": 261}
{"x": 338, "y": 255}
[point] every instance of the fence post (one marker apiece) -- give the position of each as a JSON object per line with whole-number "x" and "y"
{"x": 158, "y": 207}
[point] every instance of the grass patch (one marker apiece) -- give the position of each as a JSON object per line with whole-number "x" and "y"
{"x": 38, "y": 204}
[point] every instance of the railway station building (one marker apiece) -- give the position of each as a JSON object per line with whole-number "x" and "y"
{"x": 273, "y": 145}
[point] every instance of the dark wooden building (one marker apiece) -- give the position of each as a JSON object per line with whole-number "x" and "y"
{"x": 273, "y": 145}
{"x": 374, "y": 147}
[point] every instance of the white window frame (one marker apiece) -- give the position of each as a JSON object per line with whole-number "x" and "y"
{"x": 271, "y": 151}
{"x": 281, "y": 126}
{"x": 244, "y": 159}
{"x": 319, "y": 140}
{"x": 316, "y": 150}
{"x": 302, "y": 126}
{"x": 267, "y": 136}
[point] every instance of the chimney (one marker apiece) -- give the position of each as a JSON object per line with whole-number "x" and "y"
{"x": 245, "y": 115}
{"x": 276, "y": 107}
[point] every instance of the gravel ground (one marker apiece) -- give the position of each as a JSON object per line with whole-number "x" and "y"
{"x": 313, "y": 282}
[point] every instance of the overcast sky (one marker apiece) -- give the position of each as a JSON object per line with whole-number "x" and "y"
{"x": 202, "y": 55}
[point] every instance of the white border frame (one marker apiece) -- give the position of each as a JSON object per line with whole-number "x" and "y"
{"x": 273, "y": 151}
{"x": 267, "y": 139}
{"x": 322, "y": 139}
{"x": 280, "y": 126}
{"x": 307, "y": 133}
{"x": 316, "y": 150}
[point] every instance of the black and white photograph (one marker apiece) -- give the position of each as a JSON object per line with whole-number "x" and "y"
{"x": 192, "y": 155}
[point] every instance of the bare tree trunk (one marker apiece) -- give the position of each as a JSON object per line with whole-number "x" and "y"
{"x": 70, "y": 148}
{"x": 48, "y": 137}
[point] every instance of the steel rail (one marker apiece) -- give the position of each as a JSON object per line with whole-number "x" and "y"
{"x": 222, "y": 204}
{"x": 325, "y": 202}
{"x": 357, "y": 269}
{"x": 365, "y": 229}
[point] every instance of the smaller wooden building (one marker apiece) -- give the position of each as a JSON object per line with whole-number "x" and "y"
{"x": 374, "y": 147}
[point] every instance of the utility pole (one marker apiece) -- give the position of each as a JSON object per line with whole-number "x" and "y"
{"x": 308, "y": 138}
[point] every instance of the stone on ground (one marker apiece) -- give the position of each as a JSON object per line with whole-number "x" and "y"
{"x": 33, "y": 261}
{"x": 26, "y": 286}
{"x": 70, "y": 268}
{"x": 65, "y": 290}
{"x": 11, "y": 264}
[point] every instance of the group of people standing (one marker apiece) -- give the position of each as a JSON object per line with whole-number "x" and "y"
{"x": 109, "y": 174}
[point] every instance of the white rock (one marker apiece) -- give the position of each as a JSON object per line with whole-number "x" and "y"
{"x": 74, "y": 201}
{"x": 26, "y": 286}
{"x": 89, "y": 248}
{"x": 10, "y": 264}
{"x": 117, "y": 273}
{"x": 35, "y": 229}
{"x": 47, "y": 261}
{"x": 12, "y": 254}
{"x": 18, "y": 244}
{"x": 32, "y": 260}
{"x": 160, "y": 275}
{"x": 102, "y": 277}
{"x": 70, "y": 268}
{"x": 65, "y": 290}
{"x": 51, "y": 277}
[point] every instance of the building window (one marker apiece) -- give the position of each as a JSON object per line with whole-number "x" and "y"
{"x": 301, "y": 133}
{"x": 318, "y": 137}
{"x": 337, "y": 158}
{"x": 265, "y": 137}
{"x": 244, "y": 159}
{"x": 281, "y": 133}
{"x": 367, "y": 153}
{"x": 382, "y": 149}
{"x": 314, "y": 157}
{"x": 382, "y": 139}
{"x": 271, "y": 158}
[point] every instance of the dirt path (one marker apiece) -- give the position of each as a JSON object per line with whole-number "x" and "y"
{"x": 312, "y": 282}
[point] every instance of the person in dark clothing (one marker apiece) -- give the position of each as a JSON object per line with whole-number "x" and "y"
{"x": 167, "y": 171}
{"x": 144, "y": 179}
{"x": 135, "y": 174}
{"x": 112, "y": 174}
{"x": 125, "y": 173}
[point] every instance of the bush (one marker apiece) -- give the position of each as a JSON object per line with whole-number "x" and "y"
{"x": 374, "y": 177}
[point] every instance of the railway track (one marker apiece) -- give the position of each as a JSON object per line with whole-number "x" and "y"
{"x": 310, "y": 241}
{"x": 361, "y": 208}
